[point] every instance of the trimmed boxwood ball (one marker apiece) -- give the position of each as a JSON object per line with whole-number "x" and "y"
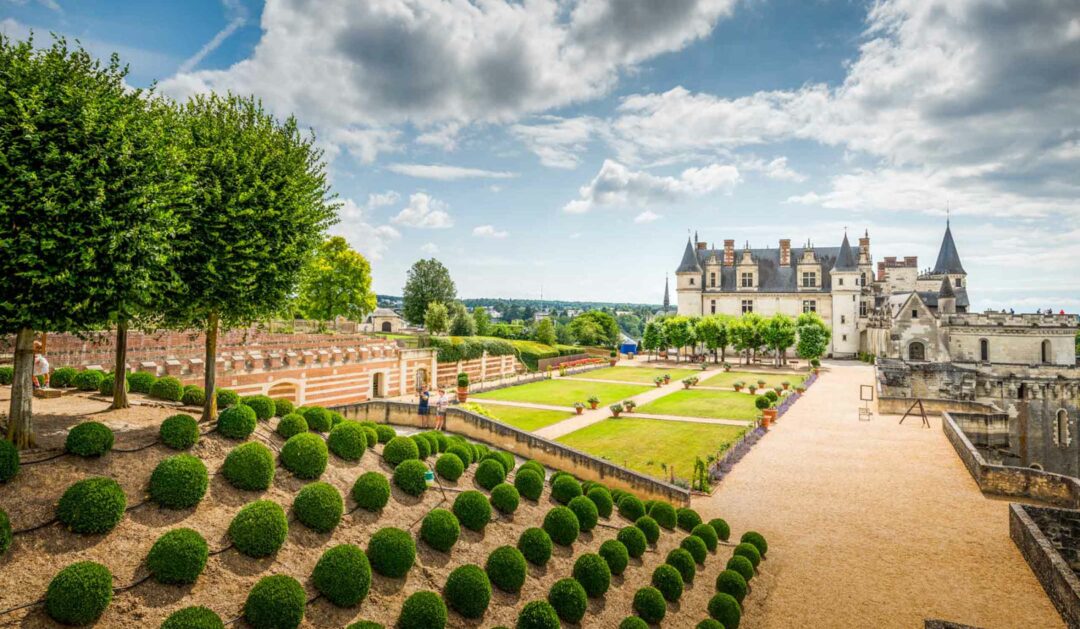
{"x": 617, "y": 495}
{"x": 733, "y": 583}
{"x": 179, "y": 432}
{"x": 371, "y": 491}
{"x": 463, "y": 453}
{"x": 757, "y": 539}
{"x": 742, "y": 565}
{"x": 633, "y": 539}
{"x": 664, "y": 514}
{"x": 226, "y": 398}
{"x": 650, "y": 605}
{"x": 683, "y": 561}
{"x": 89, "y": 439}
{"x": 433, "y": 443}
{"x": 586, "y": 513}
{"x": 708, "y": 623}
{"x": 423, "y": 610}
{"x": 194, "y": 395}
{"x": 472, "y": 510}
{"x": 87, "y": 380}
{"x": 92, "y": 505}
{"x": 372, "y": 437}
{"x": 108, "y": 384}
{"x": 489, "y": 473}
{"x": 450, "y": 467}
{"x": 602, "y": 499}
{"x": 505, "y": 498}
{"x": 615, "y": 554}
{"x": 649, "y": 527}
{"x": 391, "y": 552}
{"x": 61, "y": 378}
{"x": 441, "y": 440}
{"x": 366, "y": 624}
{"x": 335, "y": 418}
{"x": 529, "y": 483}
{"x": 259, "y": 528}
{"x": 749, "y": 551}
{"x": 141, "y": 381}
{"x": 535, "y": 545}
{"x": 507, "y": 459}
{"x": 237, "y": 422}
{"x": 79, "y": 593}
{"x": 5, "y": 532}
{"x": 562, "y": 525}
{"x": 262, "y": 405}
{"x": 707, "y": 535}
{"x": 633, "y": 622}
{"x": 631, "y": 508}
{"x": 423, "y": 448}
{"x": 385, "y": 433}
{"x": 468, "y": 591}
{"x": 687, "y": 518}
{"x": 506, "y": 568}
{"x": 283, "y": 407}
{"x": 318, "y": 418}
{"x": 167, "y": 388}
{"x": 565, "y": 489}
{"x": 726, "y": 610}
{"x": 440, "y": 530}
{"x": 538, "y": 615}
{"x": 569, "y": 599}
{"x": 291, "y": 424}
{"x": 697, "y": 548}
{"x": 319, "y": 506}
{"x": 9, "y": 461}
{"x": 195, "y": 617}
{"x": 669, "y": 581}
{"x": 276, "y": 602}
{"x": 593, "y": 573}
{"x": 400, "y": 449}
{"x": 249, "y": 466}
{"x": 178, "y": 556}
{"x": 343, "y": 575}
{"x": 305, "y": 455}
{"x": 534, "y": 466}
{"x": 649, "y": 505}
{"x": 409, "y": 477}
{"x": 179, "y": 482}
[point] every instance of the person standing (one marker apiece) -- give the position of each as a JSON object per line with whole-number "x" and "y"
{"x": 41, "y": 366}
{"x": 424, "y": 408}
{"x": 440, "y": 410}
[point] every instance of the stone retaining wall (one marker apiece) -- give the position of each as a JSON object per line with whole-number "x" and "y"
{"x": 890, "y": 405}
{"x": 1049, "y": 566}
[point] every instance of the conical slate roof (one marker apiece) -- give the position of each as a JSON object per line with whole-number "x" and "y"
{"x": 946, "y": 290}
{"x": 845, "y": 261}
{"x": 689, "y": 262}
{"x": 948, "y": 260}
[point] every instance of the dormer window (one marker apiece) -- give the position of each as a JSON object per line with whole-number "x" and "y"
{"x": 809, "y": 279}
{"x": 746, "y": 280}
{"x": 958, "y": 282}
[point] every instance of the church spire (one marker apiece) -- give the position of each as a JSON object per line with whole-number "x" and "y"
{"x": 948, "y": 259}
{"x": 667, "y": 294}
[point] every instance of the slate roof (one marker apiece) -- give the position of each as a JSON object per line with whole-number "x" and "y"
{"x": 772, "y": 278}
{"x": 948, "y": 260}
{"x": 946, "y": 289}
{"x": 689, "y": 259}
{"x": 845, "y": 261}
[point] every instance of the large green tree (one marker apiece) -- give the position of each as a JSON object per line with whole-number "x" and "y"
{"x": 711, "y": 331}
{"x": 595, "y": 327}
{"x": 745, "y": 333}
{"x": 545, "y": 332}
{"x": 813, "y": 335}
{"x": 461, "y": 321}
{"x": 428, "y": 282}
{"x": 437, "y": 318}
{"x": 778, "y": 334}
{"x": 679, "y": 331}
{"x": 482, "y": 320}
{"x": 336, "y": 281}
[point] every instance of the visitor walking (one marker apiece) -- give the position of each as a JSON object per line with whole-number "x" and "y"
{"x": 440, "y": 410}
{"x": 41, "y": 366}
{"x": 425, "y": 397}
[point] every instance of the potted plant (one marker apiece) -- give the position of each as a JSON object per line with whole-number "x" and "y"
{"x": 767, "y": 412}
{"x": 727, "y": 367}
{"x": 594, "y": 402}
{"x": 753, "y": 389}
{"x": 687, "y": 383}
{"x": 614, "y": 357}
{"x": 659, "y": 380}
{"x": 629, "y": 405}
{"x": 562, "y": 370}
{"x": 785, "y": 384}
{"x": 800, "y": 389}
{"x": 779, "y": 390}
{"x": 667, "y": 378}
{"x": 761, "y": 383}
{"x": 462, "y": 387}
{"x": 615, "y": 409}
{"x": 738, "y": 384}
{"x": 815, "y": 364}
{"x": 579, "y": 407}
{"x": 695, "y": 379}
{"x": 704, "y": 365}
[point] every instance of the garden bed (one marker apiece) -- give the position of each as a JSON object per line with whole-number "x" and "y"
{"x": 704, "y": 403}
{"x": 560, "y": 392}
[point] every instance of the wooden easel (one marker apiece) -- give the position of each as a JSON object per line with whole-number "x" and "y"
{"x": 922, "y": 413}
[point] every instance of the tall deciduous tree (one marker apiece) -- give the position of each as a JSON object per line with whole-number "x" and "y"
{"x": 437, "y": 318}
{"x": 545, "y": 332}
{"x": 712, "y": 333}
{"x": 461, "y": 321}
{"x": 813, "y": 335}
{"x": 336, "y": 281}
{"x": 595, "y": 327}
{"x": 679, "y": 331}
{"x": 745, "y": 334}
{"x": 653, "y": 338}
{"x": 778, "y": 334}
{"x": 482, "y": 321}
{"x": 428, "y": 282}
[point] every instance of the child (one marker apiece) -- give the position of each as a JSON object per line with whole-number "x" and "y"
{"x": 41, "y": 366}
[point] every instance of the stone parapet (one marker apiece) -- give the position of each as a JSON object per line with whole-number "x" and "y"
{"x": 1048, "y": 540}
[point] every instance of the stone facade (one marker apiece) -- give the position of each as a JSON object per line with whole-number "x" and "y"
{"x": 383, "y": 320}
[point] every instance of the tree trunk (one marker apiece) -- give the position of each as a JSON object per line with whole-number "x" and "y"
{"x": 20, "y": 430}
{"x": 120, "y": 399}
{"x": 210, "y": 373}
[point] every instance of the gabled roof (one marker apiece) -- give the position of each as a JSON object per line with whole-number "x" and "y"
{"x": 948, "y": 260}
{"x": 689, "y": 262}
{"x": 845, "y": 261}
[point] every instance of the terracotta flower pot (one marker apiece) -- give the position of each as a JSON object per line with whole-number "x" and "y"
{"x": 580, "y": 410}
{"x": 800, "y": 390}
{"x": 615, "y": 414}
{"x": 462, "y": 394}
{"x": 612, "y": 362}
{"x": 667, "y": 380}
{"x": 817, "y": 370}
{"x": 738, "y": 388}
{"x": 785, "y": 386}
{"x": 686, "y": 385}
{"x": 593, "y": 405}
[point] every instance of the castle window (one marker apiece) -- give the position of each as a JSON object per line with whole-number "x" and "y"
{"x": 691, "y": 281}
{"x": 845, "y": 337}
{"x": 840, "y": 281}
{"x": 809, "y": 279}
{"x": 1061, "y": 428}
{"x": 916, "y": 351}
{"x": 843, "y": 319}
{"x": 984, "y": 350}
{"x": 862, "y": 308}
{"x": 746, "y": 280}
{"x": 809, "y": 305}
{"x": 1045, "y": 354}
{"x": 712, "y": 279}
{"x": 914, "y": 313}
{"x": 712, "y": 306}
{"x": 747, "y": 305}
{"x": 958, "y": 282}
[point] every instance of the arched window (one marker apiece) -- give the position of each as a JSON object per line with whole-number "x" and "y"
{"x": 1061, "y": 428}
{"x": 387, "y": 326}
{"x": 916, "y": 351}
{"x": 984, "y": 350}
{"x": 1045, "y": 354}
{"x": 1036, "y": 466}
{"x": 377, "y": 385}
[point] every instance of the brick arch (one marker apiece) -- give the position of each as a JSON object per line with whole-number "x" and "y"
{"x": 285, "y": 390}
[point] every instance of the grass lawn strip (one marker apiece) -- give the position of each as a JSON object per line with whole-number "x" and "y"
{"x": 702, "y": 403}
{"x": 749, "y": 377}
{"x": 526, "y": 418}
{"x": 644, "y": 375}
{"x": 564, "y": 392}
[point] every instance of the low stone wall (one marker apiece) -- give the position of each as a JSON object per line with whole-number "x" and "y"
{"x": 550, "y": 363}
{"x": 523, "y": 444}
{"x": 890, "y": 405}
{"x": 1050, "y": 568}
{"x": 1002, "y": 480}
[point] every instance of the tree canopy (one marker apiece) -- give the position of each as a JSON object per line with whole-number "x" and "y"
{"x": 437, "y": 318}
{"x": 336, "y": 282}
{"x": 813, "y": 335}
{"x": 778, "y": 334}
{"x": 428, "y": 282}
{"x": 545, "y": 332}
{"x": 595, "y": 327}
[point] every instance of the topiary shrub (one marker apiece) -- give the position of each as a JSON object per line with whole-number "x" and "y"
{"x": 733, "y": 583}
{"x": 562, "y": 525}
{"x": 615, "y": 555}
{"x": 141, "y": 381}
{"x": 462, "y": 453}
{"x": 633, "y": 539}
{"x": 305, "y": 455}
{"x": 708, "y": 623}
{"x": 472, "y": 510}
{"x": 757, "y": 539}
{"x": 723, "y": 531}
{"x": 319, "y": 506}
{"x": 441, "y": 441}
{"x": 283, "y": 407}
{"x": 726, "y": 610}
{"x": 707, "y": 535}
{"x": 602, "y": 499}
{"x": 529, "y": 483}
{"x": 586, "y": 513}
{"x": 423, "y": 610}
{"x": 683, "y": 561}
{"x": 450, "y": 467}
{"x": 742, "y": 565}
{"x": 617, "y": 495}
{"x": 195, "y": 617}
{"x": 391, "y": 552}
{"x": 535, "y": 545}
{"x": 631, "y": 508}
{"x": 87, "y": 380}
{"x": 386, "y": 433}
{"x": 440, "y": 530}
{"x": 237, "y": 422}
{"x": 569, "y": 599}
{"x": 335, "y": 418}
{"x": 565, "y": 489}
{"x": 400, "y": 449}
{"x": 664, "y": 514}
{"x": 650, "y": 605}
{"x": 343, "y": 575}
{"x": 593, "y": 573}
{"x": 318, "y": 418}
{"x": 179, "y": 482}
{"x": 249, "y": 466}
{"x": 669, "y": 581}
{"x": 372, "y": 437}
{"x": 9, "y": 460}
{"x": 5, "y": 532}
{"x": 226, "y": 398}
{"x": 60, "y": 378}
{"x": 275, "y": 602}
{"x": 409, "y": 477}
{"x": 534, "y": 466}
{"x": 649, "y": 527}
{"x": 178, "y": 556}
{"x": 506, "y": 568}
{"x": 290, "y": 425}
{"x": 262, "y": 405}
{"x": 79, "y": 593}
{"x": 194, "y": 395}
{"x": 538, "y": 615}
{"x": 89, "y": 439}
{"x": 490, "y": 473}
{"x": 423, "y": 447}
{"x": 633, "y": 622}
{"x": 179, "y": 432}
{"x": 108, "y": 384}
{"x": 505, "y": 498}
{"x": 7, "y": 375}
{"x": 259, "y": 528}
{"x": 468, "y": 591}
{"x": 92, "y": 505}
{"x": 749, "y": 551}
{"x": 696, "y": 547}
{"x": 371, "y": 491}
{"x": 687, "y": 518}
{"x": 167, "y": 388}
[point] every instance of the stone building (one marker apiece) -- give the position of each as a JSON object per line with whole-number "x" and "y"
{"x": 383, "y": 320}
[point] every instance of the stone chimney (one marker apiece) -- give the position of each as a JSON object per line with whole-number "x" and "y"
{"x": 864, "y": 249}
{"x": 785, "y": 252}
{"x": 912, "y": 261}
{"x": 701, "y": 246}
{"x": 729, "y": 253}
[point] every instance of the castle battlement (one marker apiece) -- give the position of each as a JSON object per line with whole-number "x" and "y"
{"x": 1034, "y": 322}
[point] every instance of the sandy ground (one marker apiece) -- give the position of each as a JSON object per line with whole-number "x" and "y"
{"x": 873, "y": 524}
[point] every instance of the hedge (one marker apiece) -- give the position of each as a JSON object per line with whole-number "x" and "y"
{"x": 669, "y": 581}
{"x": 468, "y": 591}
{"x": 687, "y": 518}
{"x": 726, "y": 610}
{"x": 290, "y": 425}
{"x": 631, "y": 508}
{"x": 9, "y": 460}
{"x": 179, "y": 432}
{"x": 664, "y": 514}
{"x": 141, "y": 381}
{"x": 506, "y": 568}
{"x": 167, "y": 388}
{"x": 440, "y": 530}
{"x": 178, "y": 557}
{"x": 195, "y": 617}
{"x": 237, "y": 422}
{"x": 319, "y": 506}
{"x": 108, "y": 384}
{"x": 259, "y": 528}
{"x": 569, "y": 599}
{"x": 593, "y": 573}
{"x": 318, "y": 418}
{"x": 733, "y": 583}
{"x": 79, "y": 593}
{"x": 683, "y": 561}
{"x": 505, "y": 498}
{"x": 283, "y": 407}
{"x": 276, "y": 602}
{"x": 565, "y": 488}
{"x": 400, "y": 449}
{"x": 649, "y": 527}
{"x": 391, "y": 552}
{"x": 449, "y": 466}
{"x": 742, "y": 565}
{"x": 529, "y": 483}
{"x": 472, "y": 510}
{"x": 423, "y": 610}
{"x": 538, "y": 615}
{"x": 457, "y": 348}
{"x": 249, "y": 466}
{"x": 305, "y": 455}
{"x": 562, "y": 525}
{"x": 586, "y": 513}
{"x": 535, "y": 545}
{"x": 696, "y": 547}
{"x": 707, "y": 535}
{"x": 749, "y": 551}
{"x": 226, "y": 398}
{"x": 179, "y": 482}
{"x": 616, "y": 555}
{"x": 60, "y": 378}
{"x": 757, "y": 539}
{"x": 5, "y": 532}
{"x": 409, "y": 477}
{"x": 343, "y": 575}
{"x": 371, "y": 491}
{"x": 89, "y": 439}
{"x": 633, "y": 539}
{"x": 650, "y": 605}
{"x": 87, "y": 380}
{"x": 602, "y": 499}
{"x": 194, "y": 395}
{"x": 92, "y": 505}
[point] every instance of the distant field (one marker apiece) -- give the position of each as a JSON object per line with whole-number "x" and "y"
{"x": 771, "y": 380}
{"x": 636, "y": 374}
{"x": 702, "y": 403}
{"x": 525, "y": 418}
{"x": 564, "y": 392}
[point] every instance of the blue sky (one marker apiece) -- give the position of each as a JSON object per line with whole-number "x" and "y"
{"x": 571, "y": 145}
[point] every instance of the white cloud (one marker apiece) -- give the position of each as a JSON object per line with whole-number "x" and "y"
{"x": 647, "y": 216}
{"x": 381, "y": 199}
{"x": 773, "y": 169}
{"x": 429, "y": 248}
{"x": 236, "y": 13}
{"x": 443, "y": 136}
{"x": 559, "y": 142}
{"x": 356, "y": 227}
{"x": 616, "y": 185}
{"x": 424, "y": 212}
{"x": 443, "y": 172}
{"x": 364, "y": 144}
{"x": 489, "y": 231}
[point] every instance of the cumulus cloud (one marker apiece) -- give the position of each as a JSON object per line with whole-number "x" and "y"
{"x": 558, "y": 142}
{"x": 443, "y": 172}
{"x": 489, "y": 231}
{"x": 647, "y": 216}
{"x": 381, "y": 199}
{"x": 356, "y": 226}
{"x": 429, "y": 248}
{"x": 425, "y": 212}
{"x": 776, "y": 168}
{"x": 619, "y": 186}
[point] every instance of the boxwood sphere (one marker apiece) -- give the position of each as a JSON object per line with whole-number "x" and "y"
{"x": 318, "y": 418}
{"x": 371, "y": 491}
{"x": 708, "y": 623}
{"x": 562, "y": 525}
{"x": 669, "y": 581}
{"x": 449, "y": 466}
{"x": 664, "y": 514}
{"x": 89, "y": 439}
{"x": 650, "y": 605}
{"x": 92, "y": 505}
{"x": 275, "y": 602}
{"x": 468, "y": 591}
{"x": 167, "y": 388}
{"x": 79, "y": 593}
{"x": 9, "y": 461}
{"x": 683, "y": 561}
{"x": 343, "y": 575}
{"x": 707, "y": 535}
{"x": 569, "y": 599}
{"x": 259, "y": 528}
{"x": 615, "y": 554}
{"x": 749, "y": 551}
{"x": 535, "y": 545}
{"x": 249, "y": 466}
{"x": 291, "y": 424}
{"x": 534, "y": 466}
{"x": 391, "y": 552}
{"x": 472, "y": 510}
{"x": 423, "y": 448}
{"x": 61, "y": 377}
{"x": 5, "y": 532}
{"x": 463, "y": 453}
{"x": 631, "y": 508}
{"x": 226, "y": 398}
{"x": 194, "y": 395}
{"x": 593, "y": 573}
{"x": 742, "y": 565}
{"x": 319, "y": 506}
{"x": 617, "y": 495}
{"x": 602, "y": 499}
{"x": 237, "y": 422}
{"x": 529, "y": 483}
{"x": 305, "y": 455}
{"x": 649, "y": 527}
{"x": 400, "y": 449}
{"x": 489, "y": 473}
{"x": 506, "y": 568}
{"x": 179, "y": 432}
{"x": 385, "y": 433}
{"x": 505, "y": 498}
{"x": 687, "y": 518}
{"x": 697, "y": 548}
{"x": 757, "y": 539}
{"x": 179, "y": 482}
{"x": 633, "y": 539}
{"x": 335, "y": 418}
{"x": 565, "y": 488}
{"x": 195, "y": 617}
{"x": 365, "y": 624}
{"x": 409, "y": 477}
{"x": 440, "y": 530}
{"x": 87, "y": 380}
{"x": 538, "y": 615}
{"x": 108, "y": 383}
{"x": 586, "y": 513}
{"x": 372, "y": 437}
{"x": 724, "y": 608}
{"x": 283, "y": 407}
{"x": 423, "y": 610}
{"x": 263, "y": 406}
{"x": 733, "y": 583}
{"x": 633, "y": 622}
{"x": 178, "y": 556}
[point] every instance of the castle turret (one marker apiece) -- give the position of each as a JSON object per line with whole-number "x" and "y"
{"x": 946, "y": 298}
{"x": 845, "y": 302}
{"x": 688, "y": 278}
{"x": 948, "y": 261}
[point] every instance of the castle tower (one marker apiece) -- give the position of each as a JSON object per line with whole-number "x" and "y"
{"x": 845, "y": 302}
{"x": 688, "y": 278}
{"x": 948, "y": 261}
{"x": 946, "y": 298}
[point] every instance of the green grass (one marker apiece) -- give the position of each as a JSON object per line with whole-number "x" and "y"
{"x": 702, "y": 403}
{"x": 525, "y": 418}
{"x": 564, "y": 392}
{"x": 636, "y": 374}
{"x": 771, "y": 380}
{"x": 644, "y": 444}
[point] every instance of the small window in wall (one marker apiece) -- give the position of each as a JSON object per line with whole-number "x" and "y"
{"x": 914, "y": 314}
{"x": 845, "y": 337}
{"x": 1061, "y": 429}
{"x": 809, "y": 305}
{"x": 746, "y": 280}
{"x": 916, "y": 351}
{"x": 958, "y": 282}
{"x": 691, "y": 281}
{"x": 712, "y": 280}
{"x": 984, "y": 350}
{"x": 1045, "y": 353}
{"x": 712, "y": 306}
{"x": 840, "y": 281}
{"x": 862, "y": 308}
{"x": 747, "y": 306}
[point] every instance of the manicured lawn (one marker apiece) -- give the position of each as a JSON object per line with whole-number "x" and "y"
{"x": 645, "y": 444}
{"x": 564, "y": 392}
{"x": 525, "y": 418}
{"x": 749, "y": 377}
{"x": 636, "y": 374}
{"x": 702, "y": 403}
